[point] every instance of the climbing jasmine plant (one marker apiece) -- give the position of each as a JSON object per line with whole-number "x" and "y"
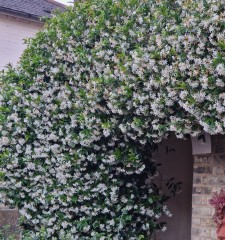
{"x": 93, "y": 94}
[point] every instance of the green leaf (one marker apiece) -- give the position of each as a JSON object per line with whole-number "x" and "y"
{"x": 141, "y": 237}
{"x": 63, "y": 198}
{"x": 74, "y": 199}
{"x": 126, "y": 217}
{"x": 221, "y": 44}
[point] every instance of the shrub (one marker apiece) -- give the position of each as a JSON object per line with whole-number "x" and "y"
{"x": 95, "y": 91}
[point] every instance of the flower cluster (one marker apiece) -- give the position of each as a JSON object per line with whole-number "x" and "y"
{"x": 93, "y": 94}
{"x": 218, "y": 202}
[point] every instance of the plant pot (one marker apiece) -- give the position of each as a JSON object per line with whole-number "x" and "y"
{"x": 221, "y": 230}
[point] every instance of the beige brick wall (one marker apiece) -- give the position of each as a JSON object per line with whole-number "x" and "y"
{"x": 12, "y": 32}
{"x": 209, "y": 176}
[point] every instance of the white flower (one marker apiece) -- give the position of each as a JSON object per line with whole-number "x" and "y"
{"x": 64, "y": 224}
{"x": 132, "y": 33}
{"x": 123, "y": 128}
{"x": 21, "y": 141}
{"x": 220, "y": 69}
{"x": 106, "y": 132}
{"x": 164, "y": 228}
{"x": 4, "y": 141}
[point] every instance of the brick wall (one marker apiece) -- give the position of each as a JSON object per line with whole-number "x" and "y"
{"x": 209, "y": 176}
{"x": 9, "y": 223}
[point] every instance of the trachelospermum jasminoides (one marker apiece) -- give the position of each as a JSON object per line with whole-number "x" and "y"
{"x": 93, "y": 94}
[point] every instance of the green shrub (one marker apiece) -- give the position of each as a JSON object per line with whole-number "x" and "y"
{"x": 94, "y": 92}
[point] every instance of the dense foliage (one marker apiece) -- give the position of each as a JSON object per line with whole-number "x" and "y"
{"x": 94, "y": 92}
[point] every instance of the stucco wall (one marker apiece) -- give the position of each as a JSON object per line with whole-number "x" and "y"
{"x": 12, "y": 32}
{"x": 177, "y": 161}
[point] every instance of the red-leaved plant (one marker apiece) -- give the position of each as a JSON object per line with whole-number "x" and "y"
{"x": 218, "y": 202}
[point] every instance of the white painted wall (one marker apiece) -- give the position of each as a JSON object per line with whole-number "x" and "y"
{"x": 12, "y": 32}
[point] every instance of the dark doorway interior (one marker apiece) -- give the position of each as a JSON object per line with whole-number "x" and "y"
{"x": 177, "y": 161}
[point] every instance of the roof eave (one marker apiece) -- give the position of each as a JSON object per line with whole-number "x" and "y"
{"x": 21, "y": 14}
